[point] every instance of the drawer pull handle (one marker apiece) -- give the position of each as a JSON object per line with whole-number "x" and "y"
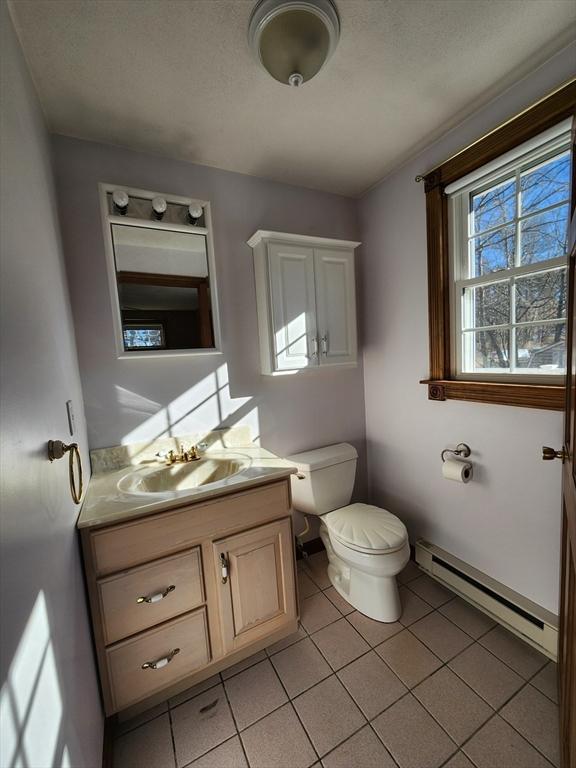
{"x": 224, "y": 567}
{"x": 159, "y": 663}
{"x": 157, "y": 596}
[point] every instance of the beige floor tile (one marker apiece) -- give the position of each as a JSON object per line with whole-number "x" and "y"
{"x": 372, "y": 684}
{"x": 316, "y": 566}
{"x": 441, "y": 636}
{"x": 512, "y": 651}
{"x": 335, "y": 597}
{"x": 487, "y": 675}
{"x": 227, "y": 755}
{"x": 411, "y": 735}
{"x": 340, "y": 643}
{"x": 410, "y": 572}
{"x": 242, "y": 665}
{"x": 536, "y": 718}
{"x": 431, "y": 591}
{"x": 410, "y": 659}
{"x": 316, "y": 612}
{"x": 329, "y": 714}
{"x": 459, "y": 761}
{"x": 254, "y": 693}
{"x": 300, "y": 634}
{"x": 189, "y": 693}
{"x": 149, "y": 746}
{"x": 201, "y": 724}
{"x": 497, "y": 745}
{"x": 547, "y": 681}
{"x": 364, "y": 750}
{"x": 278, "y": 741}
{"x": 129, "y": 725}
{"x": 413, "y": 608}
{"x": 374, "y": 632}
{"x": 472, "y": 621}
{"x": 455, "y": 706}
{"x": 306, "y": 586}
{"x": 300, "y": 667}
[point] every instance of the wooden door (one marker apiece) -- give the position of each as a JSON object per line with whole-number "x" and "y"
{"x": 336, "y": 305}
{"x": 567, "y": 648}
{"x": 291, "y": 271}
{"x": 257, "y": 584}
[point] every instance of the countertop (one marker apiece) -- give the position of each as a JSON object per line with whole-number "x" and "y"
{"x": 105, "y": 504}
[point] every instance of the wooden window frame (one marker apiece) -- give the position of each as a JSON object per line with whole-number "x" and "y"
{"x": 442, "y": 385}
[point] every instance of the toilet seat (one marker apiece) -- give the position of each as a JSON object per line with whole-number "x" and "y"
{"x": 366, "y": 528}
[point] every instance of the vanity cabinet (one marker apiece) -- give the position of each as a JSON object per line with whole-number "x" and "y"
{"x": 306, "y": 301}
{"x": 257, "y": 583}
{"x": 178, "y": 595}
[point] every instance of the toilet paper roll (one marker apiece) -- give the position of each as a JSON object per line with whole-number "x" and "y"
{"x": 459, "y": 471}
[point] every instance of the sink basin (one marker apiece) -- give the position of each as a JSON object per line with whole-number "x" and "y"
{"x": 179, "y": 479}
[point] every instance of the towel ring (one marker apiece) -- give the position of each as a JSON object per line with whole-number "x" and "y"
{"x": 56, "y": 450}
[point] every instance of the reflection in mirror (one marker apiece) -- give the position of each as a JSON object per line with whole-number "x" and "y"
{"x": 163, "y": 285}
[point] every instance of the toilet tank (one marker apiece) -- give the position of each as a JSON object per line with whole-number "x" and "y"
{"x": 325, "y": 478}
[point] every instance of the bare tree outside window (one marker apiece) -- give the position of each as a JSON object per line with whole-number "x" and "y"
{"x": 515, "y": 322}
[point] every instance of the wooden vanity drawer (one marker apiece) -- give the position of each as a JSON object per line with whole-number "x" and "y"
{"x": 178, "y": 578}
{"x": 127, "y": 544}
{"x": 130, "y": 683}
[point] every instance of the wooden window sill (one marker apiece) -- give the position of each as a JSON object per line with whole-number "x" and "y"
{"x": 546, "y": 396}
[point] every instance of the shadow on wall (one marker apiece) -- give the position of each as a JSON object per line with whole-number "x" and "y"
{"x": 31, "y": 706}
{"x": 207, "y": 405}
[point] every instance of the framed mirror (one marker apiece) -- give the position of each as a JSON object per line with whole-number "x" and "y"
{"x": 161, "y": 270}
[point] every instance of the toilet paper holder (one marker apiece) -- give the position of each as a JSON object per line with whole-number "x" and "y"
{"x": 461, "y": 450}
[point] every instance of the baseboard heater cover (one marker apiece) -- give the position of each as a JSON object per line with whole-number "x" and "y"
{"x": 534, "y": 624}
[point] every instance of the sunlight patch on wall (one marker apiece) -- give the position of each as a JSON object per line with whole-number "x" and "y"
{"x": 30, "y": 700}
{"x": 207, "y": 405}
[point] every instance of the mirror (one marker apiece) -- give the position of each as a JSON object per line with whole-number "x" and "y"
{"x": 163, "y": 281}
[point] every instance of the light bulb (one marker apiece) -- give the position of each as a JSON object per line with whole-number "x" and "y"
{"x": 159, "y": 207}
{"x": 194, "y": 212}
{"x": 120, "y": 200}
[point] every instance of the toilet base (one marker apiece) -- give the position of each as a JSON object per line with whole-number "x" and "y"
{"x": 372, "y": 590}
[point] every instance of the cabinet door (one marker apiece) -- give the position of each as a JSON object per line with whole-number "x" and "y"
{"x": 293, "y": 310}
{"x": 257, "y": 588}
{"x": 336, "y": 304}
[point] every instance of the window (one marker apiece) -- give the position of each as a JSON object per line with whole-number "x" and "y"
{"x": 496, "y": 216}
{"x": 145, "y": 336}
{"x": 509, "y": 242}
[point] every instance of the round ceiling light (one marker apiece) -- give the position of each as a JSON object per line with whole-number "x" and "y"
{"x": 293, "y": 39}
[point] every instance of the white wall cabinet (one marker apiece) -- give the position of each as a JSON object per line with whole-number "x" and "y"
{"x": 306, "y": 300}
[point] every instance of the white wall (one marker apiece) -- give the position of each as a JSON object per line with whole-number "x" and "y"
{"x": 506, "y": 522}
{"x": 49, "y": 703}
{"x": 138, "y": 399}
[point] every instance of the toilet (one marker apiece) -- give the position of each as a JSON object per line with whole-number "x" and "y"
{"x": 367, "y": 546}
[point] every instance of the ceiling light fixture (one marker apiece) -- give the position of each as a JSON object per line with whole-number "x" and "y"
{"x": 293, "y": 39}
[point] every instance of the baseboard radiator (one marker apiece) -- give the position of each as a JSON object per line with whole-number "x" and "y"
{"x": 531, "y": 622}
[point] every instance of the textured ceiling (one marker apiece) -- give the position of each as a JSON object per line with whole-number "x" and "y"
{"x": 176, "y": 77}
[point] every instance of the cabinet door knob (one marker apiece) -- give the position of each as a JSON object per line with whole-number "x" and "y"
{"x": 550, "y": 453}
{"x": 159, "y": 663}
{"x": 224, "y": 567}
{"x": 157, "y": 596}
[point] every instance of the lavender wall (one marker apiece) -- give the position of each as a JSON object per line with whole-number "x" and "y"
{"x": 50, "y": 707}
{"x": 507, "y": 522}
{"x": 138, "y": 399}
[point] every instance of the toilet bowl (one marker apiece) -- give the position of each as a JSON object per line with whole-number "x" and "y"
{"x": 366, "y": 546}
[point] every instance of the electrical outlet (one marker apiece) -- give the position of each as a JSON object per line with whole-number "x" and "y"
{"x": 70, "y": 412}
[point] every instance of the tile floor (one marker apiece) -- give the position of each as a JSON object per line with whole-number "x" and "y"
{"x": 444, "y": 686}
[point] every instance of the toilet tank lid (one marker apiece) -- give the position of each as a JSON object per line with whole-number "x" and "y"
{"x": 308, "y": 461}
